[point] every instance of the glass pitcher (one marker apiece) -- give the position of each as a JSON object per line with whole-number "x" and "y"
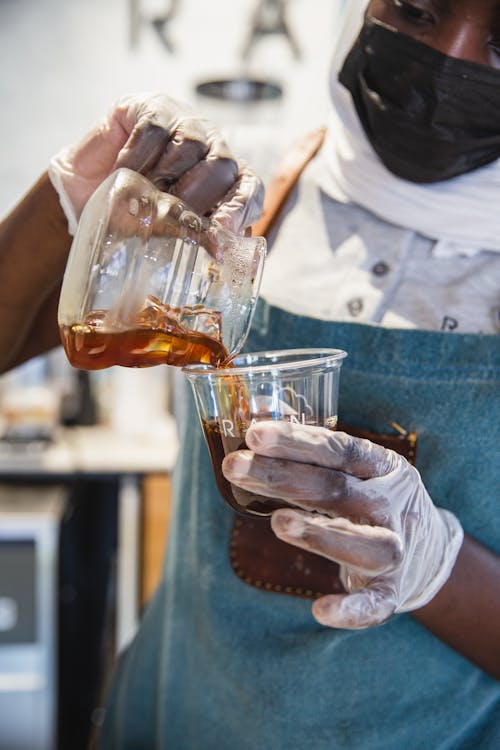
{"x": 148, "y": 281}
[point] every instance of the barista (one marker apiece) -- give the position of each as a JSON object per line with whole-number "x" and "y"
{"x": 218, "y": 663}
{"x": 378, "y": 248}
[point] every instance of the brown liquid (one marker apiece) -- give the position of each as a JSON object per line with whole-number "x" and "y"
{"x": 156, "y": 336}
{"x": 239, "y": 499}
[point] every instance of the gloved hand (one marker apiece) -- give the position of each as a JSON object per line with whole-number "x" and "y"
{"x": 363, "y": 506}
{"x": 179, "y": 152}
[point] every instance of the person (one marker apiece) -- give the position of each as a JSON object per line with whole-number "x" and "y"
{"x": 388, "y": 248}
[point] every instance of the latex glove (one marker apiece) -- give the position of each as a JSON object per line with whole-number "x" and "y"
{"x": 395, "y": 547}
{"x": 179, "y": 152}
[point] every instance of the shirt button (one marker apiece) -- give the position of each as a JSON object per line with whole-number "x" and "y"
{"x": 380, "y": 268}
{"x": 355, "y": 306}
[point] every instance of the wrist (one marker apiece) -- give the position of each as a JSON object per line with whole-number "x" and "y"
{"x": 466, "y": 610}
{"x": 59, "y": 174}
{"x": 441, "y": 543}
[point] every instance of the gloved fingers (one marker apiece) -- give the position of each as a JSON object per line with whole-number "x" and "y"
{"x": 148, "y": 121}
{"x": 180, "y": 152}
{"x": 76, "y": 171}
{"x": 364, "y": 608}
{"x": 242, "y": 205}
{"x": 367, "y": 550}
{"x": 165, "y": 150}
{"x": 143, "y": 148}
{"x": 307, "y": 486}
{"x": 179, "y": 156}
{"x": 323, "y": 447}
{"x": 96, "y": 153}
{"x": 185, "y": 156}
{"x": 206, "y": 184}
{"x": 246, "y": 499}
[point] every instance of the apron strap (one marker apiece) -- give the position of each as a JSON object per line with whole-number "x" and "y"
{"x": 286, "y": 178}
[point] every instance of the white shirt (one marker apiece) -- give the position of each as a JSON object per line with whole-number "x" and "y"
{"x": 337, "y": 261}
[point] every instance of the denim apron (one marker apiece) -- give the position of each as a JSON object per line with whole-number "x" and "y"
{"x": 218, "y": 665}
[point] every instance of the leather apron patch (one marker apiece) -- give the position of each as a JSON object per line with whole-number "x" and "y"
{"x": 265, "y": 562}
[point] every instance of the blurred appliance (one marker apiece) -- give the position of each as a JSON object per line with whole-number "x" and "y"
{"x": 29, "y": 534}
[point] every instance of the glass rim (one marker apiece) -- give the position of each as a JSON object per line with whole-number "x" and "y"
{"x": 311, "y": 357}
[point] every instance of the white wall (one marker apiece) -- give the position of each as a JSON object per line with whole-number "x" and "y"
{"x": 62, "y": 62}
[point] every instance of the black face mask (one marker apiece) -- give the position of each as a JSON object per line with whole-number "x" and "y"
{"x": 428, "y": 116}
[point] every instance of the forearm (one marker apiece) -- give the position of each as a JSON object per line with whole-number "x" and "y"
{"x": 465, "y": 613}
{"x": 34, "y": 244}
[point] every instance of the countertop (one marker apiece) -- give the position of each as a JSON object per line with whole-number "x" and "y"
{"x": 94, "y": 450}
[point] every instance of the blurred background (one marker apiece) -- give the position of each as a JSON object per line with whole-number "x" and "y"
{"x": 86, "y": 460}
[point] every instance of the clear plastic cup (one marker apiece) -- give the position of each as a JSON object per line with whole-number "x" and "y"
{"x": 296, "y": 385}
{"x": 148, "y": 281}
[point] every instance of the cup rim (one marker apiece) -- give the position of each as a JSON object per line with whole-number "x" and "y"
{"x": 311, "y": 357}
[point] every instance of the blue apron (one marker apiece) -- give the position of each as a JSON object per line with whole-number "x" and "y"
{"x": 218, "y": 665}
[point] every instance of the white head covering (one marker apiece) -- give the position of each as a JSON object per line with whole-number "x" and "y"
{"x": 462, "y": 214}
